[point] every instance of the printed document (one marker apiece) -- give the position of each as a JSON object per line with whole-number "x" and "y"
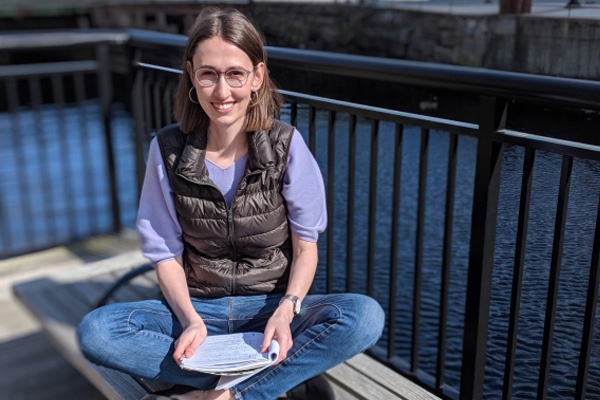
{"x": 236, "y": 357}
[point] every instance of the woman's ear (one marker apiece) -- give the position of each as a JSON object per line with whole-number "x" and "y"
{"x": 259, "y": 75}
{"x": 190, "y": 70}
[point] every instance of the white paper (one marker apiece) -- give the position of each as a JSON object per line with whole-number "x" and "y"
{"x": 227, "y": 381}
{"x": 236, "y": 357}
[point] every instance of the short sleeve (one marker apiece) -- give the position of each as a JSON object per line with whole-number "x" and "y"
{"x": 157, "y": 223}
{"x": 304, "y": 192}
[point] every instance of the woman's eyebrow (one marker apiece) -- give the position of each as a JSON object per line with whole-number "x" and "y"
{"x": 215, "y": 69}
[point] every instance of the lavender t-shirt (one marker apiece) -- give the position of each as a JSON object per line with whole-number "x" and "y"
{"x": 303, "y": 190}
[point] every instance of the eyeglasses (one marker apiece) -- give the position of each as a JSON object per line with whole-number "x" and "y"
{"x": 235, "y": 77}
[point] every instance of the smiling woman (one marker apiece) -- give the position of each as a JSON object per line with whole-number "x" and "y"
{"x": 238, "y": 38}
{"x": 225, "y": 104}
{"x": 231, "y": 209}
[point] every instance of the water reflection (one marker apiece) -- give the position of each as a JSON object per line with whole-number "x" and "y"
{"x": 54, "y": 187}
{"x": 577, "y": 250}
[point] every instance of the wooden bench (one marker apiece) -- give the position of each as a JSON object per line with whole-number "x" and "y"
{"x": 60, "y": 300}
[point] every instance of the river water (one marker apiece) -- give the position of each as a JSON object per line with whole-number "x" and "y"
{"x": 583, "y": 205}
{"x": 75, "y": 202}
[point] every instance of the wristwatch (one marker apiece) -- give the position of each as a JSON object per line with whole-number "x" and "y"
{"x": 294, "y": 299}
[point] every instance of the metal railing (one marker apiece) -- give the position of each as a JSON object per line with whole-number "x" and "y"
{"x": 415, "y": 201}
{"x": 42, "y": 103}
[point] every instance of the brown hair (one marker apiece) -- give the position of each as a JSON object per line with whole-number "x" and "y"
{"x": 232, "y": 26}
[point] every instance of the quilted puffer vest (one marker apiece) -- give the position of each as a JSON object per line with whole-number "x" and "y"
{"x": 242, "y": 249}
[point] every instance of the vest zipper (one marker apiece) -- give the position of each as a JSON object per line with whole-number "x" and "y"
{"x": 233, "y": 250}
{"x": 229, "y": 228}
{"x": 230, "y": 235}
{"x": 230, "y": 232}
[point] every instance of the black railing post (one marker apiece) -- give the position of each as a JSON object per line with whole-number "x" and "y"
{"x": 105, "y": 90}
{"x": 394, "y": 248}
{"x": 481, "y": 253}
{"x": 372, "y": 217}
{"x": 137, "y": 105}
{"x": 330, "y": 197}
{"x": 446, "y": 260}
{"x": 554, "y": 275}
{"x": 419, "y": 240}
{"x": 517, "y": 279}
{"x": 591, "y": 305}
{"x": 352, "y": 126}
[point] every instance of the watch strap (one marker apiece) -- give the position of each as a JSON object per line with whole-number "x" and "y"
{"x": 294, "y": 299}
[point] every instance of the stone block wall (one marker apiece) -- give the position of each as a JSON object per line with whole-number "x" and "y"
{"x": 523, "y": 43}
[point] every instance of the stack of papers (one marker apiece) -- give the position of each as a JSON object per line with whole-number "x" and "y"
{"x": 236, "y": 357}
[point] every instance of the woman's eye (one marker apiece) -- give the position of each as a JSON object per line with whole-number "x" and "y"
{"x": 236, "y": 74}
{"x": 208, "y": 75}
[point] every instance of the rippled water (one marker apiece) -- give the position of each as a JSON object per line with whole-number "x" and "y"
{"x": 583, "y": 205}
{"x": 54, "y": 183}
{"x": 87, "y": 176}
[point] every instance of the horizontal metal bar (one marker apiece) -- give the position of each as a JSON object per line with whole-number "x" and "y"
{"x": 440, "y": 76}
{"x": 546, "y": 143}
{"x": 385, "y": 114}
{"x": 140, "y": 37}
{"x": 37, "y": 40}
{"x": 364, "y": 110}
{"x": 506, "y": 84}
{"x": 159, "y": 68}
{"x": 47, "y": 69}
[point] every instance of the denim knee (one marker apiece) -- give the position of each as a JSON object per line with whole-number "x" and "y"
{"x": 93, "y": 335}
{"x": 367, "y": 321}
{"x": 370, "y": 320}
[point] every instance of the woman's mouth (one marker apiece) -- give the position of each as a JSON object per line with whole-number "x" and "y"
{"x": 222, "y": 106}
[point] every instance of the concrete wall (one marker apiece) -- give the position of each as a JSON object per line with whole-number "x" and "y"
{"x": 524, "y": 43}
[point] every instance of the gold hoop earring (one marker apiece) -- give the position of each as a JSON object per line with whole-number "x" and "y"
{"x": 190, "y": 96}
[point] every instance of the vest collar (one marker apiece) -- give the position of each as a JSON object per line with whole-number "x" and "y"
{"x": 191, "y": 164}
{"x": 260, "y": 151}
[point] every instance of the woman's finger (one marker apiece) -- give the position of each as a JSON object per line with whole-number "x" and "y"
{"x": 181, "y": 346}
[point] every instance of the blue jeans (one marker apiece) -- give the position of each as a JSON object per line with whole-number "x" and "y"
{"x": 137, "y": 338}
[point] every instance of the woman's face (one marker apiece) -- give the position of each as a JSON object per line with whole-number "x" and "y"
{"x": 216, "y": 59}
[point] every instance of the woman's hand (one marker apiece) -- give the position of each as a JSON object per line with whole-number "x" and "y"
{"x": 302, "y": 273}
{"x": 188, "y": 342}
{"x": 278, "y": 328}
{"x": 173, "y": 285}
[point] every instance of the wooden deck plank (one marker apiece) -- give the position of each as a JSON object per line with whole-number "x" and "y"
{"x": 16, "y": 321}
{"x": 47, "y": 374}
{"x": 341, "y": 393}
{"x": 61, "y": 301}
{"x": 59, "y": 312}
{"x": 21, "y": 334}
{"x": 122, "y": 262}
{"x": 138, "y": 288}
{"x": 94, "y": 289}
{"x": 359, "y": 385}
{"x": 389, "y": 378}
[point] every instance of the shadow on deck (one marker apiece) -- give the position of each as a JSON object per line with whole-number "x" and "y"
{"x": 41, "y": 356}
{"x": 32, "y": 366}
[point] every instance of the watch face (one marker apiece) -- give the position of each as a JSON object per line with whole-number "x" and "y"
{"x": 297, "y": 306}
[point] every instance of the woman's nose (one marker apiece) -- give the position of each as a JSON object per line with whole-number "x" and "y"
{"x": 222, "y": 89}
